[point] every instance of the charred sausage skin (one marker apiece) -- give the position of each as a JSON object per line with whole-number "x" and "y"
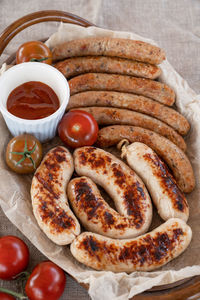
{"x": 174, "y": 157}
{"x": 49, "y": 199}
{"x": 168, "y": 199}
{"x": 94, "y": 212}
{"x": 144, "y": 253}
{"x": 119, "y": 181}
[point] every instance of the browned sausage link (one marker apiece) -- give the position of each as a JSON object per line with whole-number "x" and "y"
{"x": 49, "y": 200}
{"x": 122, "y": 83}
{"x": 144, "y": 253}
{"x": 132, "y": 102}
{"x": 171, "y": 154}
{"x": 125, "y": 48}
{"x": 117, "y": 116}
{"x": 101, "y": 64}
{"x": 119, "y": 181}
{"x": 94, "y": 212}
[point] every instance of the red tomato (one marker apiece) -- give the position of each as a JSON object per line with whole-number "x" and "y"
{"x": 14, "y": 256}
{"x": 4, "y": 296}
{"x": 34, "y": 51}
{"x": 78, "y": 128}
{"x": 47, "y": 281}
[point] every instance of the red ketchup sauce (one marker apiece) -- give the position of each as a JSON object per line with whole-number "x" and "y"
{"x": 32, "y": 100}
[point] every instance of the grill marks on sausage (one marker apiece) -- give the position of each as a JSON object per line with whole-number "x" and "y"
{"x": 93, "y": 210}
{"x": 167, "y": 182}
{"x": 148, "y": 249}
{"x": 98, "y": 249}
{"x": 109, "y": 218}
{"x": 92, "y": 246}
{"x": 133, "y": 207}
{"x": 87, "y": 200}
{"x": 95, "y": 207}
{"x": 91, "y": 158}
{"x": 49, "y": 189}
{"x": 56, "y": 217}
{"x": 132, "y": 191}
{"x": 46, "y": 185}
{"x": 177, "y": 161}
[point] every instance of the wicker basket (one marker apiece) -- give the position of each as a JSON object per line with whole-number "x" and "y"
{"x": 182, "y": 290}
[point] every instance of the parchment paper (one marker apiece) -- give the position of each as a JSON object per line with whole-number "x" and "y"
{"x": 16, "y": 203}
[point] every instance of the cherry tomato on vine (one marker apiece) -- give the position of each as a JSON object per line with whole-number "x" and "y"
{"x": 24, "y": 153}
{"x": 78, "y": 128}
{"x": 4, "y": 296}
{"x": 47, "y": 281}
{"x": 14, "y": 256}
{"x": 34, "y": 51}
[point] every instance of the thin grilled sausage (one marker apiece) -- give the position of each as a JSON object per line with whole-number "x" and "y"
{"x": 168, "y": 151}
{"x": 94, "y": 212}
{"x": 119, "y": 181}
{"x": 116, "y": 116}
{"x": 168, "y": 199}
{"x": 49, "y": 200}
{"x": 133, "y": 102}
{"x": 106, "y": 46}
{"x": 74, "y": 66}
{"x": 122, "y": 83}
{"x": 145, "y": 253}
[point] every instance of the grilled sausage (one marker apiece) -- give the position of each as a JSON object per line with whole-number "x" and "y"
{"x": 122, "y": 83}
{"x": 106, "y": 46}
{"x": 119, "y": 181}
{"x": 117, "y": 116}
{"x": 168, "y": 199}
{"x": 133, "y": 102}
{"x": 145, "y": 253}
{"x": 94, "y": 212}
{"x": 168, "y": 151}
{"x": 49, "y": 200}
{"x": 101, "y": 64}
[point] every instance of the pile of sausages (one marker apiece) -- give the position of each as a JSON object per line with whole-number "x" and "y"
{"x": 114, "y": 80}
{"x": 116, "y": 239}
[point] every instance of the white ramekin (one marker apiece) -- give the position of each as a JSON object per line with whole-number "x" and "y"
{"x": 43, "y": 129}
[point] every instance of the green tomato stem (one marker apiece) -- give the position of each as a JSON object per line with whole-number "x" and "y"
{"x": 24, "y": 274}
{"x": 20, "y": 296}
{"x": 26, "y": 154}
{"x": 39, "y": 59}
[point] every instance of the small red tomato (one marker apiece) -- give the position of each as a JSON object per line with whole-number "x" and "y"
{"x": 4, "y": 296}
{"x": 47, "y": 281}
{"x": 78, "y": 128}
{"x": 14, "y": 256}
{"x": 34, "y": 51}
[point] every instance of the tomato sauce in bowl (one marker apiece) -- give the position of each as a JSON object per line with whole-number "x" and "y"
{"x": 43, "y": 128}
{"x": 32, "y": 100}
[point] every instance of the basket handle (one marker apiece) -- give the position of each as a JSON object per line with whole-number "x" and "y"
{"x": 39, "y": 17}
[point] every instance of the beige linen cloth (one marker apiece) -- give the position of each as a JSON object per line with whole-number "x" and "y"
{"x": 15, "y": 198}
